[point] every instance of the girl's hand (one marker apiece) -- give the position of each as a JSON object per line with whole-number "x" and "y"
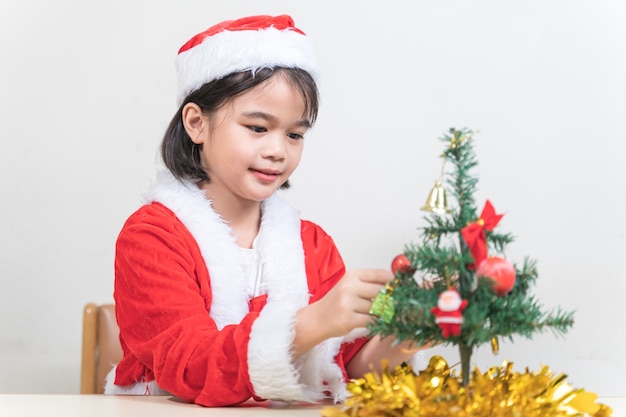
{"x": 344, "y": 308}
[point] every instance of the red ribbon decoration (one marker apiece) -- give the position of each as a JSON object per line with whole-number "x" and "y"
{"x": 474, "y": 233}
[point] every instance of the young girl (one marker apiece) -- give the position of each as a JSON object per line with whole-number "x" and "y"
{"x": 222, "y": 292}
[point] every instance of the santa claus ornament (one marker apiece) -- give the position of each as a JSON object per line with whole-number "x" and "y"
{"x": 449, "y": 312}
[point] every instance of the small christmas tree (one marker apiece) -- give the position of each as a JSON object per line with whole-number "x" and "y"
{"x": 452, "y": 288}
{"x": 456, "y": 288}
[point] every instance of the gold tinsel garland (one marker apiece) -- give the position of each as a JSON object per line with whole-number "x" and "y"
{"x": 438, "y": 391}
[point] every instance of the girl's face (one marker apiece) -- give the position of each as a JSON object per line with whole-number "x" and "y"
{"x": 253, "y": 144}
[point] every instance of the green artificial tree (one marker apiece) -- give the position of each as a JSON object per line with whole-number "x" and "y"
{"x": 496, "y": 307}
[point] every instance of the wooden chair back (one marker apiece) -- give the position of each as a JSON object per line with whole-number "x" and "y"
{"x": 101, "y": 346}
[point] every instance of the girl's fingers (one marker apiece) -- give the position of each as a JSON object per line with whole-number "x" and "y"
{"x": 368, "y": 291}
{"x": 377, "y": 276}
{"x": 362, "y": 306}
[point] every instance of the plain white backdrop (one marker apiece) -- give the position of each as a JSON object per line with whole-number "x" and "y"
{"x": 88, "y": 87}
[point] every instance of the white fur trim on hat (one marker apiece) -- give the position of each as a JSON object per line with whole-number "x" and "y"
{"x": 242, "y": 50}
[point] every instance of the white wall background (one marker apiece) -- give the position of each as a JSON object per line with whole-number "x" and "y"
{"x": 87, "y": 88}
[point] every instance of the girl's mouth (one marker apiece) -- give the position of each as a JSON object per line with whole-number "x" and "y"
{"x": 266, "y": 175}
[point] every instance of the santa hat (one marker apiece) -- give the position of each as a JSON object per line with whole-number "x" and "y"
{"x": 241, "y": 45}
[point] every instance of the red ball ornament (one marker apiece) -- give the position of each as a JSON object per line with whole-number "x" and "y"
{"x": 401, "y": 263}
{"x": 501, "y": 271}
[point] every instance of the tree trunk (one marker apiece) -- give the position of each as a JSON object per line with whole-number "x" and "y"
{"x": 466, "y": 355}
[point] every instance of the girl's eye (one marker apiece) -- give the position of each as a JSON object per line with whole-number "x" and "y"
{"x": 257, "y": 129}
{"x": 295, "y": 136}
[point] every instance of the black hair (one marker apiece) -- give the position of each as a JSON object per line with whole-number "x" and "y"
{"x": 182, "y": 156}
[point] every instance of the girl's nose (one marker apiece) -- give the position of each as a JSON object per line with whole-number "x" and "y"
{"x": 274, "y": 147}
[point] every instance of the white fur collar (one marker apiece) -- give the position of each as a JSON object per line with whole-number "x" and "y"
{"x": 272, "y": 371}
{"x": 279, "y": 245}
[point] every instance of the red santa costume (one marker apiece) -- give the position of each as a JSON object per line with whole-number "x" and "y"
{"x": 200, "y": 317}
{"x": 187, "y": 323}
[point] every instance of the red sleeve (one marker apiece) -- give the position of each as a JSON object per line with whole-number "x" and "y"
{"x": 325, "y": 268}
{"x": 162, "y": 298}
{"x": 324, "y": 265}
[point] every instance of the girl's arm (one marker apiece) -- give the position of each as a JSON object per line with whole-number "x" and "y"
{"x": 344, "y": 308}
{"x": 375, "y": 350}
{"x": 340, "y": 307}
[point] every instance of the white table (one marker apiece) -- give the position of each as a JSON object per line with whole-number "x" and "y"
{"x": 37, "y": 405}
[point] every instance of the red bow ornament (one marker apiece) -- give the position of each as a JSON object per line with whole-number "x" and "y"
{"x": 474, "y": 233}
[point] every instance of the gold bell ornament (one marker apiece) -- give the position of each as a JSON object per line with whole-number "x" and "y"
{"x": 437, "y": 201}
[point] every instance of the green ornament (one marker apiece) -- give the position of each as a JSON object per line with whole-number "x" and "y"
{"x": 383, "y": 306}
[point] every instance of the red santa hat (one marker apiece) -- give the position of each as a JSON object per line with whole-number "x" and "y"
{"x": 249, "y": 43}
